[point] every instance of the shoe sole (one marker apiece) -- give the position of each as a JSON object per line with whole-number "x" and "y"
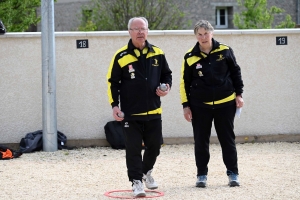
{"x": 234, "y": 184}
{"x": 202, "y": 185}
{"x": 140, "y": 195}
{"x": 148, "y": 187}
{"x": 151, "y": 188}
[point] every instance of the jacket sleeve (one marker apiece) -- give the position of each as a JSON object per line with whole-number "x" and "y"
{"x": 113, "y": 76}
{"x": 235, "y": 73}
{"x": 166, "y": 73}
{"x": 185, "y": 83}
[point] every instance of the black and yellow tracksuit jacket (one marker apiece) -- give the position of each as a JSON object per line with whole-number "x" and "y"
{"x": 210, "y": 80}
{"x": 133, "y": 77}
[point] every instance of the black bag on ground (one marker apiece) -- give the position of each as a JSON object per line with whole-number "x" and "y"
{"x": 33, "y": 141}
{"x": 8, "y": 153}
{"x": 2, "y": 28}
{"x": 114, "y": 134}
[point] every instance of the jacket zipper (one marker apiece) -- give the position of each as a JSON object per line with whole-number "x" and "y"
{"x": 212, "y": 75}
{"x": 143, "y": 62}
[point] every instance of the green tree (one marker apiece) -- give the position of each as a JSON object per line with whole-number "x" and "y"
{"x": 103, "y": 15}
{"x": 17, "y": 15}
{"x": 256, "y": 15}
{"x": 287, "y": 23}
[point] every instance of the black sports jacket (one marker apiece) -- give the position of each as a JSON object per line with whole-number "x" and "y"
{"x": 210, "y": 80}
{"x": 133, "y": 76}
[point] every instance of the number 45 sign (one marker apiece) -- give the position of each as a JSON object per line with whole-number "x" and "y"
{"x": 82, "y": 44}
{"x": 281, "y": 40}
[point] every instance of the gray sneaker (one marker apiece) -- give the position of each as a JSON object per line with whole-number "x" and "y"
{"x": 201, "y": 181}
{"x": 138, "y": 188}
{"x": 149, "y": 181}
{"x": 233, "y": 180}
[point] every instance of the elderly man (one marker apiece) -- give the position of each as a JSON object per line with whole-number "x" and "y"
{"x": 135, "y": 73}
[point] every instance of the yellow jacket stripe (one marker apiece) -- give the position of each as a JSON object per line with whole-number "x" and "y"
{"x": 109, "y": 93}
{"x": 156, "y": 111}
{"x": 230, "y": 98}
{"x": 182, "y": 85}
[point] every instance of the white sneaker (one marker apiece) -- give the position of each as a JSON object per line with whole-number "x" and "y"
{"x": 149, "y": 181}
{"x": 138, "y": 188}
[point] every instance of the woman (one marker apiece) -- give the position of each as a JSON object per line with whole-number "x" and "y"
{"x": 211, "y": 89}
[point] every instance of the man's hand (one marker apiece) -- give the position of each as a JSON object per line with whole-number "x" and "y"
{"x": 116, "y": 113}
{"x": 162, "y": 93}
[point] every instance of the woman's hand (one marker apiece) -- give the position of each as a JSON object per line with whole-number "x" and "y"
{"x": 239, "y": 101}
{"x": 187, "y": 114}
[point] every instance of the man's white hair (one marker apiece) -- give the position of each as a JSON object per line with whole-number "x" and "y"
{"x": 131, "y": 20}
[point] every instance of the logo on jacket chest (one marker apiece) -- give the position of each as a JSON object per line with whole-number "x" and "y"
{"x": 131, "y": 70}
{"x": 132, "y": 75}
{"x": 221, "y": 57}
{"x": 198, "y": 66}
{"x": 155, "y": 64}
{"x": 200, "y": 73}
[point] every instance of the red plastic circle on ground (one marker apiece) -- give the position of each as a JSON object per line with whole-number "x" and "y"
{"x": 109, "y": 194}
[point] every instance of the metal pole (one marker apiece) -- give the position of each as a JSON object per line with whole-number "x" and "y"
{"x": 49, "y": 78}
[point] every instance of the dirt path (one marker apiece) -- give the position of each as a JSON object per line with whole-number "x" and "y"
{"x": 267, "y": 171}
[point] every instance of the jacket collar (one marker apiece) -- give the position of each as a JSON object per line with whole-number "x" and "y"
{"x": 215, "y": 44}
{"x": 132, "y": 47}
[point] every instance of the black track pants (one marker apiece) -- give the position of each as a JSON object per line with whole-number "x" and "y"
{"x": 136, "y": 132}
{"x": 223, "y": 119}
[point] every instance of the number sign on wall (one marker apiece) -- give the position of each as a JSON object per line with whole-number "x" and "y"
{"x": 281, "y": 40}
{"x": 82, "y": 44}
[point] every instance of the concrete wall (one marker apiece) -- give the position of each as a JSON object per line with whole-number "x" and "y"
{"x": 270, "y": 72}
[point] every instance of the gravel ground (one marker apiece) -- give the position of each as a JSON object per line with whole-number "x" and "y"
{"x": 267, "y": 171}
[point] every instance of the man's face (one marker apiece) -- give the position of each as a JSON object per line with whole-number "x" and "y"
{"x": 138, "y": 32}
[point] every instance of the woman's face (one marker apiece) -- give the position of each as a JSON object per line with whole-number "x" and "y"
{"x": 204, "y": 37}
